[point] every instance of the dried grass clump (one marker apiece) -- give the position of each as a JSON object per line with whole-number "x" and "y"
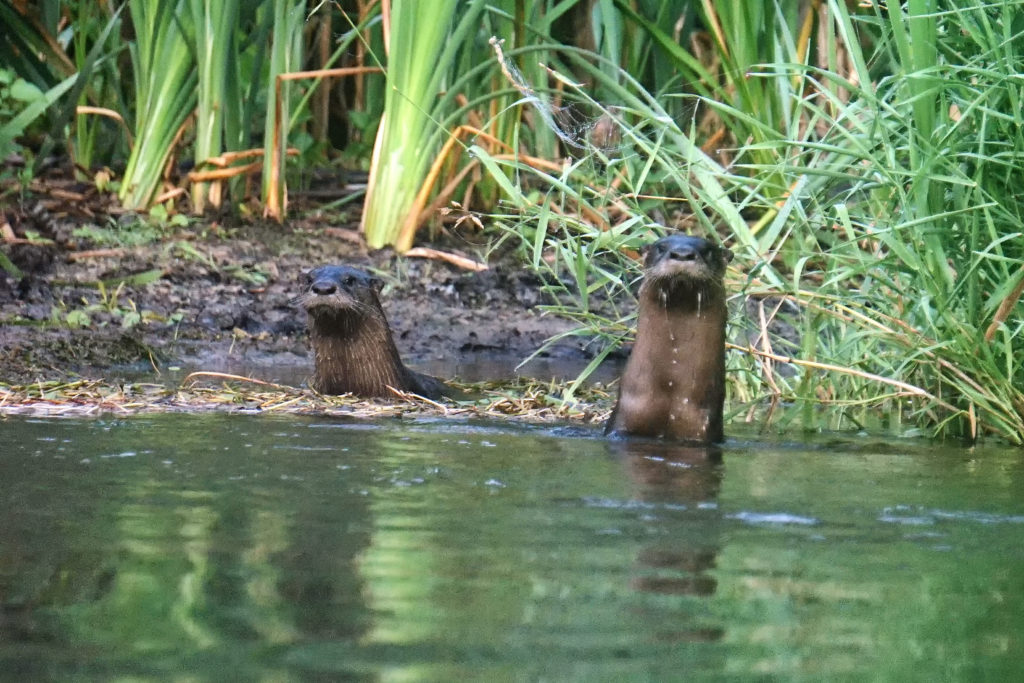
{"x": 526, "y": 400}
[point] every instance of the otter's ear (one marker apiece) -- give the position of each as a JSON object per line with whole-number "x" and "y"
{"x": 376, "y": 283}
{"x": 726, "y": 254}
{"x": 650, "y": 249}
{"x": 645, "y": 253}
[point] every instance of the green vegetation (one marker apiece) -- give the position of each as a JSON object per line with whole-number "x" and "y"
{"x": 862, "y": 161}
{"x": 421, "y": 48}
{"x": 218, "y": 76}
{"x": 165, "y": 85}
{"x": 110, "y": 306}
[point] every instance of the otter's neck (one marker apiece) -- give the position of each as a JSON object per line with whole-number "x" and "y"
{"x": 354, "y": 352}
{"x": 685, "y": 333}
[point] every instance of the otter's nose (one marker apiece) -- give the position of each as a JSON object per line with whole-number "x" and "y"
{"x": 323, "y": 288}
{"x": 683, "y": 254}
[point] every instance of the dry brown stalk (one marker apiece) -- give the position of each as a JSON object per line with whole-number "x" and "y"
{"x": 908, "y": 389}
{"x": 590, "y": 214}
{"x": 448, "y": 190}
{"x": 1005, "y": 306}
{"x": 413, "y": 397}
{"x": 275, "y": 204}
{"x": 454, "y": 259}
{"x": 167, "y": 195}
{"x": 110, "y": 114}
{"x": 67, "y": 195}
{"x": 412, "y": 220}
{"x": 228, "y": 158}
{"x": 193, "y": 376}
{"x": 716, "y": 27}
{"x": 223, "y": 173}
{"x": 712, "y": 142}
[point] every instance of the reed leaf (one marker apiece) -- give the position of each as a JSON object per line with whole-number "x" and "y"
{"x": 423, "y": 44}
{"x": 214, "y": 25}
{"x": 285, "y": 56}
{"x": 165, "y": 80}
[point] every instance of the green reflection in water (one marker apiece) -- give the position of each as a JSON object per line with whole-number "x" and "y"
{"x": 906, "y": 576}
{"x": 255, "y": 548}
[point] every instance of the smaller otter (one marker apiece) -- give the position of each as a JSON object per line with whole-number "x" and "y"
{"x": 674, "y": 382}
{"x": 352, "y": 345}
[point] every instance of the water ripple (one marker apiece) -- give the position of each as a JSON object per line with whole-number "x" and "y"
{"x": 617, "y": 504}
{"x": 919, "y": 516}
{"x": 773, "y": 518}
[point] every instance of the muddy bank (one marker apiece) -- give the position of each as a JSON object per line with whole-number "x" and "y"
{"x": 89, "y": 302}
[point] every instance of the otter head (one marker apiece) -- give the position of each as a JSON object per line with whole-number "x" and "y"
{"x": 340, "y": 292}
{"x": 678, "y": 266}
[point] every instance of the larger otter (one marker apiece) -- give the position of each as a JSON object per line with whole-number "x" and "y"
{"x": 352, "y": 345}
{"x": 674, "y": 382}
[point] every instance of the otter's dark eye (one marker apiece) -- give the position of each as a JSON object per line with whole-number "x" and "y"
{"x": 349, "y": 281}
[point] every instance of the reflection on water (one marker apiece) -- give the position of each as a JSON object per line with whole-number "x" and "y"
{"x": 255, "y": 548}
{"x": 684, "y": 478}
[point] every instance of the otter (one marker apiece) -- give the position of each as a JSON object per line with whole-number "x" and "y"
{"x": 673, "y": 385}
{"x": 353, "y": 350}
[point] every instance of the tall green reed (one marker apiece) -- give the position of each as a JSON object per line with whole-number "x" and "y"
{"x": 91, "y": 143}
{"x": 468, "y": 94}
{"x": 285, "y": 55}
{"x": 165, "y": 89}
{"x": 215, "y": 43}
{"x": 31, "y": 49}
{"x": 425, "y": 39}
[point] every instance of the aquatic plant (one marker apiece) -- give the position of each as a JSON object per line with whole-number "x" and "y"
{"x": 285, "y": 56}
{"x": 422, "y": 44}
{"x": 165, "y": 85}
{"x": 218, "y": 83}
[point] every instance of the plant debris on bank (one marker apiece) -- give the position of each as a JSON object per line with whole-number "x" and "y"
{"x": 526, "y": 400}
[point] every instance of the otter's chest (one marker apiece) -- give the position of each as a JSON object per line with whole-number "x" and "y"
{"x": 672, "y": 383}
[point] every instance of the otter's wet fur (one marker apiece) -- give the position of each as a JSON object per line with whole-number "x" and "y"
{"x": 673, "y": 385}
{"x": 354, "y": 352}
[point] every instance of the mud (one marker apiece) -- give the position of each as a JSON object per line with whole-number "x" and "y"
{"x": 215, "y": 296}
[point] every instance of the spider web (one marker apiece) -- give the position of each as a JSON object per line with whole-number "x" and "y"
{"x": 572, "y": 127}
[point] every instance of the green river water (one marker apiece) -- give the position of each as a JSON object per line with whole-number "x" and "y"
{"x": 257, "y": 548}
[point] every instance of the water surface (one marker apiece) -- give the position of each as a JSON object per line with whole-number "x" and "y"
{"x": 229, "y": 547}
